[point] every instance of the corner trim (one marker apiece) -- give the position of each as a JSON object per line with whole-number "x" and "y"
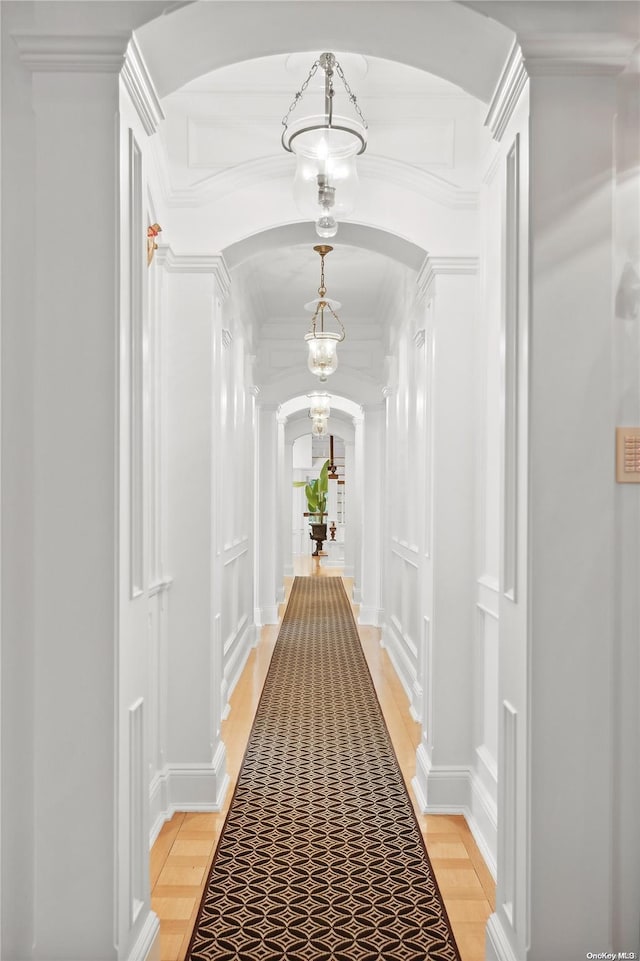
{"x": 140, "y": 88}
{"x": 507, "y": 93}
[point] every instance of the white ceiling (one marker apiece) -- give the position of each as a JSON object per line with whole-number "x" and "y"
{"x": 231, "y": 118}
{"x": 423, "y": 73}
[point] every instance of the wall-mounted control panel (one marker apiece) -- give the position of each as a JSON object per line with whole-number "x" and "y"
{"x": 628, "y": 455}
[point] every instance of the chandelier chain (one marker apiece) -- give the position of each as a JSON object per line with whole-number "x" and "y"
{"x": 314, "y": 69}
{"x": 351, "y": 95}
{"x": 298, "y": 97}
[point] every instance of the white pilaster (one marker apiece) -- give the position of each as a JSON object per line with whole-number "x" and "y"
{"x": 61, "y": 408}
{"x": 283, "y": 486}
{"x": 371, "y": 531}
{"x": 349, "y": 486}
{"x": 449, "y": 288}
{"x": 563, "y": 637}
{"x": 357, "y": 498}
{"x": 267, "y": 522}
{"x": 196, "y": 287}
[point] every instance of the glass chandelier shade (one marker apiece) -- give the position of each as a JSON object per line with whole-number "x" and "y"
{"x": 318, "y": 426}
{"x": 319, "y": 404}
{"x": 323, "y": 357}
{"x": 325, "y": 145}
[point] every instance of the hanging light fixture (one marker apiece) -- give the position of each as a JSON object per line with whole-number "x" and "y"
{"x": 323, "y": 357}
{"x": 319, "y": 404}
{"x": 319, "y": 410}
{"x": 325, "y": 146}
{"x": 318, "y": 426}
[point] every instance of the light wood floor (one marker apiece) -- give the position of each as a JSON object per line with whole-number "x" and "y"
{"x": 184, "y": 849}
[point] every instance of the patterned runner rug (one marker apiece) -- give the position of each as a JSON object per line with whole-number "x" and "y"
{"x": 321, "y": 857}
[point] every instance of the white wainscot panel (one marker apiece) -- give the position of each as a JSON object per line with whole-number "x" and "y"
{"x": 237, "y": 628}
{"x": 484, "y": 773}
{"x": 401, "y": 629}
{"x": 490, "y": 683}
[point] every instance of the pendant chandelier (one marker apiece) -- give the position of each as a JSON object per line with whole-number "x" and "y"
{"x": 323, "y": 357}
{"x": 325, "y": 146}
{"x": 319, "y": 410}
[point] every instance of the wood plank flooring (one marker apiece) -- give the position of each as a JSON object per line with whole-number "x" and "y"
{"x": 184, "y": 849}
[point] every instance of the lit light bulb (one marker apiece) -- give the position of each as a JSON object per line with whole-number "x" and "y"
{"x": 323, "y": 359}
{"x": 326, "y": 226}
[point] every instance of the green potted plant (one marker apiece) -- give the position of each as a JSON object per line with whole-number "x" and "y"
{"x": 316, "y": 492}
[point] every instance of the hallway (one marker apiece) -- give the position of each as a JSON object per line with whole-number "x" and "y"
{"x": 182, "y": 853}
{"x": 184, "y": 358}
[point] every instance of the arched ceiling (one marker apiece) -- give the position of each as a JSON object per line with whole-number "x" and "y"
{"x": 446, "y": 39}
{"x": 230, "y": 190}
{"x": 423, "y": 73}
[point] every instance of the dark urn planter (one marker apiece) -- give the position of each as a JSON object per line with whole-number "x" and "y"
{"x": 318, "y": 534}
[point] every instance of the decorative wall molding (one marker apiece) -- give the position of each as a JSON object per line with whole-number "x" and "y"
{"x": 267, "y": 169}
{"x": 466, "y": 264}
{"x": 187, "y": 787}
{"x": 435, "y": 265}
{"x": 196, "y": 264}
{"x": 147, "y": 946}
{"x": 51, "y": 53}
{"x": 448, "y": 789}
{"x": 266, "y": 615}
{"x": 507, "y": 93}
{"x": 160, "y": 587}
{"x": 511, "y": 335}
{"x": 402, "y": 656}
{"x": 481, "y": 817}
{"x": 137, "y": 850}
{"x": 136, "y": 303}
{"x": 509, "y": 852}
{"x": 227, "y": 338}
{"x": 547, "y": 55}
{"x": 498, "y": 946}
{"x": 140, "y": 88}
{"x": 423, "y": 182}
{"x": 575, "y": 54}
{"x": 420, "y": 338}
{"x": 370, "y": 616}
{"x": 237, "y": 650}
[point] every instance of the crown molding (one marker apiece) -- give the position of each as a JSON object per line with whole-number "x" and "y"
{"x": 196, "y": 264}
{"x": 53, "y": 53}
{"x": 140, "y": 88}
{"x": 454, "y": 265}
{"x": 554, "y": 55}
{"x": 507, "y": 93}
{"x": 434, "y": 266}
{"x": 576, "y": 54}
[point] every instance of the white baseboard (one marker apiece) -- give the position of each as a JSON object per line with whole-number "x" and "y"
{"x": 498, "y": 945}
{"x": 266, "y": 615}
{"x": 456, "y": 790}
{"x": 483, "y": 821}
{"x": 394, "y": 646}
{"x": 241, "y": 646}
{"x": 446, "y": 789}
{"x": 147, "y": 946}
{"x": 370, "y": 616}
{"x": 187, "y": 787}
